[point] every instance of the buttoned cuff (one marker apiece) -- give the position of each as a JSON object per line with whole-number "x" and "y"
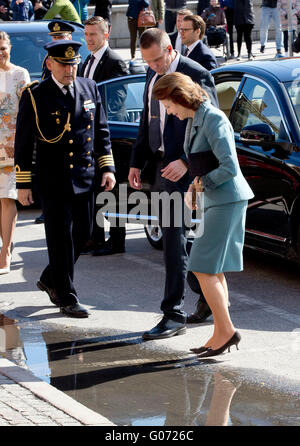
{"x": 207, "y": 183}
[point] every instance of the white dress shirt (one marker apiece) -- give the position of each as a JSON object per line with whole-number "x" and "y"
{"x": 62, "y": 86}
{"x": 191, "y": 47}
{"x": 98, "y": 55}
{"x": 172, "y": 68}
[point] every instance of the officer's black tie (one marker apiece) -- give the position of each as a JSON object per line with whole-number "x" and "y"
{"x": 69, "y": 96}
{"x": 154, "y": 125}
{"x": 91, "y": 61}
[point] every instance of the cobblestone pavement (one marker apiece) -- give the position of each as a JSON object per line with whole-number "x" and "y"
{"x": 28, "y": 401}
{"x": 20, "y": 407}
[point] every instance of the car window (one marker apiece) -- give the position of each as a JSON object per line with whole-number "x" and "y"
{"x": 256, "y": 105}
{"x": 226, "y": 92}
{"x": 28, "y": 50}
{"x": 123, "y": 99}
{"x": 293, "y": 89}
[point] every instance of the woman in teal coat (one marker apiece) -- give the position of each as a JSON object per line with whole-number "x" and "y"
{"x": 210, "y": 149}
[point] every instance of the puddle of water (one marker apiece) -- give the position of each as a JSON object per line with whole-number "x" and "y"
{"x": 118, "y": 377}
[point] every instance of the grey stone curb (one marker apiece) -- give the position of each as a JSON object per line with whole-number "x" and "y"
{"x": 51, "y": 395}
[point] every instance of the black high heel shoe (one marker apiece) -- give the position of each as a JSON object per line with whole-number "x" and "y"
{"x": 234, "y": 340}
{"x": 199, "y": 349}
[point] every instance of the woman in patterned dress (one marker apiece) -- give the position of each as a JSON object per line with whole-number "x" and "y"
{"x": 12, "y": 81}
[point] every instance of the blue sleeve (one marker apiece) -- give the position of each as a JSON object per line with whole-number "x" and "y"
{"x": 220, "y": 136}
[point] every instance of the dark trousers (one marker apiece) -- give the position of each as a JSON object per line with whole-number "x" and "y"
{"x": 170, "y": 20}
{"x": 286, "y": 39}
{"x": 68, "y": 224}
{"x": 134, "y": 30}
{"x": 103, "y": 9}
{"x": 117, "y": 233}
{"x": 244, "y": 30}
{"x": 229, "y": 19}
{"x": 174, "y": 248}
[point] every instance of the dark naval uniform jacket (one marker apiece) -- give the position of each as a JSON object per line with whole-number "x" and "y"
{"x": 70, "y": 139}
{"x": 69, "y": 136}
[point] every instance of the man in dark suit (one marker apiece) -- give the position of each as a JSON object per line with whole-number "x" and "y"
{"x": 192, "y": 32}
{"x": 63, "y": 117}
{"x": 175, "y": 36}
{"x": 160, "y": 144}
{"x": 103, "y": 64}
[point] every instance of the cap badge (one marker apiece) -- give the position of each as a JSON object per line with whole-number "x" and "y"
{"x": 56, "y": 27}
{"x": 70, "y": 53}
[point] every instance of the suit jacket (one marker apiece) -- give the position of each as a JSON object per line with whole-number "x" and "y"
{"x": 67, "y": 159}
{"x": 110, "y": 65}
{"x": 173, "y": 37}
{"x": 174, "y": 131}
{"x": 211, "y": 130}
{"x": 204, "y": 56}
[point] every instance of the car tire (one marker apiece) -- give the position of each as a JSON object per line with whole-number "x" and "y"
{"x": 154, "y": 236}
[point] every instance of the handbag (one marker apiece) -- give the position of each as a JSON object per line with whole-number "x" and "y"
{"x": 146, "y": 18}
{"x": 5, "y": 161}
{"x": 201, "y": 163}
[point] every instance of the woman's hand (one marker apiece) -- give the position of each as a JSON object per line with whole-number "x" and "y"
{"x": 188, "y": 197}
{"x": 194, "y": 189}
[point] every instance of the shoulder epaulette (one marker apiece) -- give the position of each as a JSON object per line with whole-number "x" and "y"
{"x": 30, "y": 85}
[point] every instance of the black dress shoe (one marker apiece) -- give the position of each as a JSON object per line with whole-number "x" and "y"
{"x": 201, "y": 314}
{"x": 90, "y": 247}
{"x": 109, "y": 248}
{"x": 75, "y": 310}
{"x": 166, "y": 328}
{"x": 51, "y": 292}
{"x": 39, "y": 219}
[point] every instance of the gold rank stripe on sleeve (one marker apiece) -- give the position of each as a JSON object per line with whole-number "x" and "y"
{"x": 106, "y": 160}
{"x": 22, "y": 176}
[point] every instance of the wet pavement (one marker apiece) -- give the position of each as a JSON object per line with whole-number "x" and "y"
{"x": 129, "y": 384}
{"x": 114, "y": 374}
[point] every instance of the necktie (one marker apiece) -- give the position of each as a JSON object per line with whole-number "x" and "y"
{"x": 185, "y": 52}
{"x": 69, "y": 95}
{"x": 154, "y": 125}
{"x": 91, "y": 61}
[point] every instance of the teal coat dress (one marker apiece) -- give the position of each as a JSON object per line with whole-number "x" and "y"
{"x": 226, "y": 194}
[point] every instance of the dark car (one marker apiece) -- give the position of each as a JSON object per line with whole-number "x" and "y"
{"x": 262, "y": 101}
{"x": 28, "y": 40}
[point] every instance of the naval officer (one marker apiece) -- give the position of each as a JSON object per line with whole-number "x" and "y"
{"x": 64, "y": 117}
{"x": 58, "y": 30}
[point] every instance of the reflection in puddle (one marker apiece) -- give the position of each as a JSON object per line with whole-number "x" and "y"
{"x": 118, "y": 377}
